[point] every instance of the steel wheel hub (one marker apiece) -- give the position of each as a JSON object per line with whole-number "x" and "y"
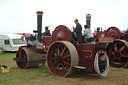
{"x": 117, "y": 54}
{"x": 59, "y": 59}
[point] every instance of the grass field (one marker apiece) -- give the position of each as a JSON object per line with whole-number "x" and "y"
{"x": 38, "y": 76}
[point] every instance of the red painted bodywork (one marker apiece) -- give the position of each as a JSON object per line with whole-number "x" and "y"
{"x": 86, "y": 52}
{"x": 98, "y": 34}
{"x": 124, "y": 36}
{"x": 113, "y": 30}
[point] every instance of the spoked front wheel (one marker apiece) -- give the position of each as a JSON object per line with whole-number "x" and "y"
{"x": 62, "y": 56}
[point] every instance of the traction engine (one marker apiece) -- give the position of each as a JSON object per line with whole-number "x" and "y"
{"x": 63, "y": 56}
{"x": 118, "y": 50}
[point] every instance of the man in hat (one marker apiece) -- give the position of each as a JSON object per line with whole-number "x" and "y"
{"x": 47, "y": 32}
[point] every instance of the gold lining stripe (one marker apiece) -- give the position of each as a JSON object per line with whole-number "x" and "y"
{"x": 88, "y": 51}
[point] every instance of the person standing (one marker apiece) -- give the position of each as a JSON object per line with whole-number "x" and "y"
{"x": 78, "y": 31}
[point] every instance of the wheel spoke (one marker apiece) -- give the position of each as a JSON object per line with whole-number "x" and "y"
{"x": 114, "y": 58}
{"x": 120, "y": 61}
{"x": 67, "y": 66}
{"x": 58, "y": 66}
{"x": 122, "y": 48}
{"x": 66, "y": 63}
{"x": 63, "y": 51}
{"x": 124, "y": 55}
{"x": 115, "y": 46}
{"x": 66, "y": 56}
{"x": 54, "y": 56}
{"x": 68, "y": 59}
{"x": 63, "y": 69}
{"x": 58, "y": 50}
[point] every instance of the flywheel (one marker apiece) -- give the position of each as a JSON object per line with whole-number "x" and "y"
{"x": 62, "y": 32}
{"x": 113, "y": 32}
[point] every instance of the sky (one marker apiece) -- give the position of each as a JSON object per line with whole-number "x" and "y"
{"x": 19, "y": 16}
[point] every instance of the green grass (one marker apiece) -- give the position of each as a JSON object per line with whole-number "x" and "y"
{"x": 7, "y": 55}
{"x": 20, "y": 75}
{"x": 17, "y": 75}
{"x": 42, "y": 76}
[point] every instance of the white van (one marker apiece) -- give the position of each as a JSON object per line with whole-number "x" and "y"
{"x": 11, "y": 42}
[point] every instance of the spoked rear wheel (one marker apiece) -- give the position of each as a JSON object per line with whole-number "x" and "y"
{"x": 118, "y": 54}
{"x": 101, "y": 63}
{"x": 62, "y": 56}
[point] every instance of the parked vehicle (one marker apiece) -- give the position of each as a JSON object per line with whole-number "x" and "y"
{"x": 11, "y": 42}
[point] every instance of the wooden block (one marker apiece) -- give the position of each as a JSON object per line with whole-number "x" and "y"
{"x": 105, "y": 39}
{"x": 4, "y": 70}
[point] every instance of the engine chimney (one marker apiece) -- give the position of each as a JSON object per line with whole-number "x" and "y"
{"x": 39, "y": 25}
{"x": 88, "y": 20}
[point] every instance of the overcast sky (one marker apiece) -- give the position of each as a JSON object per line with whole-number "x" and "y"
{"x": 19, "y": 16}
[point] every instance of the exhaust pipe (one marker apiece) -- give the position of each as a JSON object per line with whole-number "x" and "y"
{"x": 88, "y": 20}
{"x": 39, "y": 25}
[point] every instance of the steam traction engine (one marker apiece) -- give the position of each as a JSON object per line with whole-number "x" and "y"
{"x": 63, "y": 56}
{"x": 118, "y": 50}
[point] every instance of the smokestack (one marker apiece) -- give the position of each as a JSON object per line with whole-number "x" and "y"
{"x": 88, "y": 20}
{"x": 39, "y": 25}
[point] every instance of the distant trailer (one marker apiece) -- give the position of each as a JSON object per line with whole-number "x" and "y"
{"x": 11, "y": 42}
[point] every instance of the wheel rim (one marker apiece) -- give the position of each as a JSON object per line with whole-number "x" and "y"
{"x": 60, "y": 60}
{"x": 101, "y": 63}
{"x": 19, "y": 63}
{"x": 118, "y": 54}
